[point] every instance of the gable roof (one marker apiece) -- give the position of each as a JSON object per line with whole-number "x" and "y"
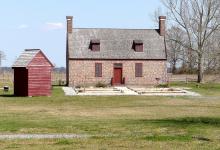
{"x": 26, "y": 57}
{"x": 116, "y": 44}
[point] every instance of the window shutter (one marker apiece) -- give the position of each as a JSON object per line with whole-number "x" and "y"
{"x": 138, "y": 70}
{"x": 98, "y": 70}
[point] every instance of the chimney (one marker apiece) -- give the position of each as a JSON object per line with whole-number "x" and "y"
{"x": 162, "y": 25}
{"x": 69, "y": 24}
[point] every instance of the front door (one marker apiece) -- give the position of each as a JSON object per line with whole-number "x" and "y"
{"x": 117, "y": 76}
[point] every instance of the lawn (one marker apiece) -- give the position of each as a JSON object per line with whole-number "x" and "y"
{"x": 120, "y": 122}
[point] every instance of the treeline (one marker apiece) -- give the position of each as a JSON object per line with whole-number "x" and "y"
{"x": 193, "y": 36}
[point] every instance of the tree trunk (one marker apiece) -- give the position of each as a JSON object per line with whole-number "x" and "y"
{"x": 200, "y": 69}
{"x": 174, "y": 67}
{"x": 190, "y": 64}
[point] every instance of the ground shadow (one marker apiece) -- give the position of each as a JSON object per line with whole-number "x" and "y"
{"x": 7, "y": 95}
{"x": 183, "y": 122}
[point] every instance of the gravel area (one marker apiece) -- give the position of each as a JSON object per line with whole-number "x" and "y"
{"x": 69, "y": 91}
{"x": 41, "y": 136}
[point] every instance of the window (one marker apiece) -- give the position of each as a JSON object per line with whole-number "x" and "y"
{"x": 98, "y": 69}
{"x": 95, "y": 45}
{"x": 138, "y": 70}
{"x": 138, "y": 45}
{"x": 117, "y": 65}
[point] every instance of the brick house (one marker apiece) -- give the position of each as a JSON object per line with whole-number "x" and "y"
{"x": 116, "y": 56}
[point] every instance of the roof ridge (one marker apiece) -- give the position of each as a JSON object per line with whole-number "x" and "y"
{"x": 32, "y": 50}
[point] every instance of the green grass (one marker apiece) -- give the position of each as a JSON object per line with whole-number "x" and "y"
{"x": 207, "y": 89}
{"x": 120, "y": 122}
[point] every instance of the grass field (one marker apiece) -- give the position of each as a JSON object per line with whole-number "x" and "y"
{"x": 127, "y": 122}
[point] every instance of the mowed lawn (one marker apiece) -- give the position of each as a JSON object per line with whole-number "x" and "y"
{"x": 120, "y": 122}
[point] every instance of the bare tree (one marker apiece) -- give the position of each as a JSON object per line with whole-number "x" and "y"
{"x": 212, "y": 54}
{"x": 174, "y": 49}
{"x": 2, "y": 57}
{"x": 199, "y": 21}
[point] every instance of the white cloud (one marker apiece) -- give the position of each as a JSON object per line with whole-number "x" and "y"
{"x": 23, "y": 26}
{"x": 53, "y": 26}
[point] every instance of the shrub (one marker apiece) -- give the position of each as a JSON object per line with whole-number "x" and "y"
{"x": 100, "y": 85}
{"x": 78, "y": 86}
{"x": 163, "y": 85}
{"x": 61, "y": 82}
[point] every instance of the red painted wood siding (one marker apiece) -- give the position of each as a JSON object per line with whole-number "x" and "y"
{"x": 39, "y": 76}
{"x": 39, "y": 60}
{"x": 39, "y": 81}
{"x": 21, "y": 82}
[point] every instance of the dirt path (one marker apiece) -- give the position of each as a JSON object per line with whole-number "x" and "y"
{"x": 41, "y": 136}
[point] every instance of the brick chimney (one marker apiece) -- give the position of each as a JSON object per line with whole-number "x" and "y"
{"x": 69, "y": 24}
{"x": 162, "y": 25}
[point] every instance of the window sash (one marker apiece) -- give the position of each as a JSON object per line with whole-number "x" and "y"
{"x": 139, "y": 47}
{"x": 98, "y": 70}
{"x": 95, "y": 47}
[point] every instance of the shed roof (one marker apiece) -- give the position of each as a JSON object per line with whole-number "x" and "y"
{"x": 116, "y": 43}
{"x": 26, "y": 57}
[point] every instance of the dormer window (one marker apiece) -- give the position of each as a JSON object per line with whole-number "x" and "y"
{"x": 95, "y": 45}
{"x": 138, "y": 45}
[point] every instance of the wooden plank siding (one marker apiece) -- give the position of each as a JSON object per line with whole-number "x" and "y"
{"x": 39, "y": 76}
{"x": 39, "y": 81}
{"x": 39, "y": 60}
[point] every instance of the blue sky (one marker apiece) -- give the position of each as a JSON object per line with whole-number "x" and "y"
{"x": 42, "y": 23}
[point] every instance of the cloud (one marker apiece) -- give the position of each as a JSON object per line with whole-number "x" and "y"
{"x": 23, "y": 26}
{"x": 53, "y": 26}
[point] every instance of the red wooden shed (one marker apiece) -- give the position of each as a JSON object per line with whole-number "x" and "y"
{"x": 32, "y": 74}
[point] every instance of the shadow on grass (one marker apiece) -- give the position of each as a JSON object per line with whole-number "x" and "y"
{"x": 169, "y": 138}
{"x": 181, "y": 138}
{"x": 7, "y": 95}
{"x": 191, "y": 123}
{"x": 188, "y": 121}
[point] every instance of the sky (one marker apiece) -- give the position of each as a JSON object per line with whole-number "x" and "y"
{"x": 41, "y": 24}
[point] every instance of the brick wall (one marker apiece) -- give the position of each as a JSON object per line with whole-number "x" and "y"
{"x": 83, "y": 72}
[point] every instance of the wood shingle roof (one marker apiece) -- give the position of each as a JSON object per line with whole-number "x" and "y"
{"x": 116, "y": 44}
{"x": 25, "y": 58}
